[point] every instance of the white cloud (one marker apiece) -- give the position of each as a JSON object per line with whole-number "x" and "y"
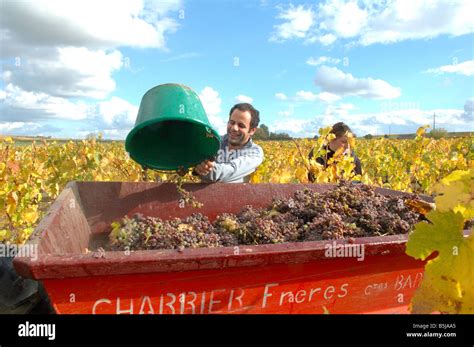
{"x": 304, "y": 95}
{"x": 398, "y": 121}
{"x": 322, "y": 60}
{"x": 182, "y": 56}
{"x": 67, "y": 53}
{"x": 118, "y": 112}
{"x": 298, "y": 22}
{"x": 243, "y": 99}
{"x": 113, "y": 115}
{"x": 309, "y": 96}
{"x": 110, "y": 134}
{"x": 71, "y": 48}
{"x": 325, "y": 40}
{"x": 115, "y": 134}
{"x": 339, "y": 110}
{"x": 468, "y": 114}
{"x": 76, "y": 71}
{"x": 19, "y": 105}
{"x": 287, "y": 113}
{"x": 284, "y": 113}
{"x": 11, "y": 127}
{"x": 333, "y": 80}
{"x": 371, "y": 22}
{"x": 404, "y": 20}
{"x": 104, "y": 23}
{"x": 211, "y": 101}
{"x": 469, "y": 107}
{"x": 344, "y": 19}
{"x": 293, "y": 127}
{"x": 465, "y": 68}
{"x": 28, "y": 129}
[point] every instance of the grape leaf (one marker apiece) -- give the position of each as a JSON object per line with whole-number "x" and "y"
{"x": 421, "y": 130}
{"x": 455, "y": 192}
{"x": 448, "y": 283}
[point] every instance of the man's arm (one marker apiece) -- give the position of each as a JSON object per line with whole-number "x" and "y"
{"x": 236, "y": 168}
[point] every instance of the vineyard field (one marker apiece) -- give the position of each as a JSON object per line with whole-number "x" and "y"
{"x": 32, "y": 175}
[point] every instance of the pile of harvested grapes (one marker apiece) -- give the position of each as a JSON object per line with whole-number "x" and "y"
{"x": 347, "y": 211}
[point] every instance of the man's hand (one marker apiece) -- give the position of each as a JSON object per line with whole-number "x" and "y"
{"x": 205, "y": 167}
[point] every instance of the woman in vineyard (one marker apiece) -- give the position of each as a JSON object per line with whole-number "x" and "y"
{"x": 342, "y": 132}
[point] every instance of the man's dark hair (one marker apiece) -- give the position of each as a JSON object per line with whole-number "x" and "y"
{"x": 255, "y": 115}
{"x": 340, "y": 129}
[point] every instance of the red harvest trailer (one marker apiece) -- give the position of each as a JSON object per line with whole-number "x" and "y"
{"x": 283, "y": 278}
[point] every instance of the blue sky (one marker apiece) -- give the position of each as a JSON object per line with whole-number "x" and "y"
{"x": 71, "y": 68}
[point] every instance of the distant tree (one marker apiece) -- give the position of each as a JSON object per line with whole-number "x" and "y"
{"x": 97, "y": 136}
{"x": 279, "y": 136}
{"x": 263, "y": 133}
{"x": 260, "y": 134}
{"x": 368, "y": 136}
{"x": 265, "y": 130}
{"x": 438, "y": 133}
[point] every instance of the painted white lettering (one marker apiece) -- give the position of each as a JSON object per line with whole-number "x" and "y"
{"x": 146, "y": 301}
{"x": 282, "y": 297}
{"x": 311, "y": 293}
{"x": 266, "y": 293}
{"x": 212, "y": 301}
{"x": 98, "y": 302}
{"x": 330, "y": 289}
{"x": 303, "y": 295}
{"x": 343, "y": 289}
{"x": 190, "y": 302}
{"x": 120, "y": 311}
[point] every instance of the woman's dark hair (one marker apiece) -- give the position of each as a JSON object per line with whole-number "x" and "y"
{"x": 255, "y": 115}
{"x": 340, "y": 129}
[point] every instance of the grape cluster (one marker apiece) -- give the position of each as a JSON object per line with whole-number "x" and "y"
{"x": 347, "y": 211}
{"x": 194, "y": 231}
{"x": 187, "y": 197}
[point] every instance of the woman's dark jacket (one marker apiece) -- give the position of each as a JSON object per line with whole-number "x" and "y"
{"x": 329, "y": 155}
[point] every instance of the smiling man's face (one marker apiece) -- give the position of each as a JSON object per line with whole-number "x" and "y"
{"x": 238, "y": 128}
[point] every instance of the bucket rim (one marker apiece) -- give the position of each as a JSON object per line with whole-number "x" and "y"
{"x": 142, "y": 125}
{"x": 169, "y": 84}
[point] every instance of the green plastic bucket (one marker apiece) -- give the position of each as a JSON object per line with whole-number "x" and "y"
{"x": 172, "y": 131}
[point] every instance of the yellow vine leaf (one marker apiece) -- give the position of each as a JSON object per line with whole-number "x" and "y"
{"x": 285, "y": 177}
{"x": 301, "y": 174}
{"x": 5, "y": 235}
{"x": 421, "y": 130}
{"x": 455, "y": 192}
{"x": 30, "y": 215}
{"x": 448, "y": 283}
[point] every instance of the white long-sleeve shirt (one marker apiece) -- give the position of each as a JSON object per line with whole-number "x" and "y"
{"x": 235, "y": 166}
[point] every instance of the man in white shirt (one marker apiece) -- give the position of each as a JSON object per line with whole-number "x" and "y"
{"x": 238, "y": 157}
